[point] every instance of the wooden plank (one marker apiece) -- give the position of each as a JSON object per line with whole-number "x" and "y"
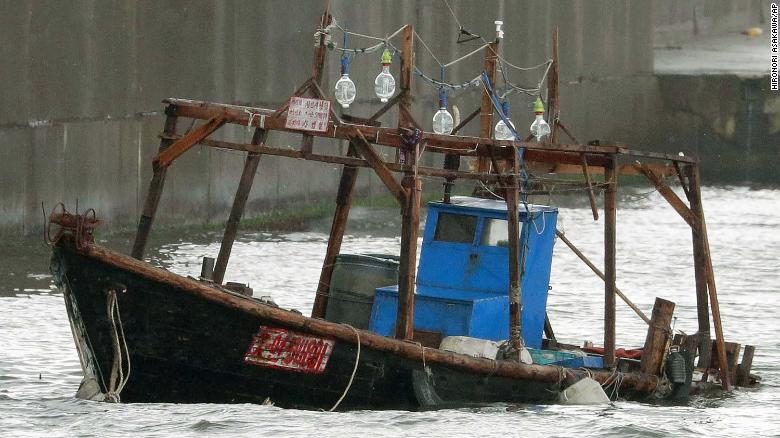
{"x": 385, "y": 175}
{"x": 658, "y": 333}
{"x": 166, "y": 157}
{"x": 610, "y": 268}
{"x": 338, "y": 226}
{"x": 601, "y": 275}
{"x": 154, "y": 193}
{"x": 239, "y": 203}
{"x": 671, "y": 197}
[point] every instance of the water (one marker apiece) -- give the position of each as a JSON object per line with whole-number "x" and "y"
{"x": 39, "y": 369}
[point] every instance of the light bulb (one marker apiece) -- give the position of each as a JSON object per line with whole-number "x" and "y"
{"x": 502, "y": 131}
{"x": 345, "y": 91}
{"x": 539, "y": 128}
{"x": 442, "y": 121}
{"x": 384, "y": 84}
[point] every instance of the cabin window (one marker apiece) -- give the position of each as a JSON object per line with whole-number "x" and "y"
{"x": 455, "y": 228}
{"x": 495, "y": 233}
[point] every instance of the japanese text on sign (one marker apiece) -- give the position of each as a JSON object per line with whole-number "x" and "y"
{"x": 279, "y": 348}
{"x": 308, "y": 114}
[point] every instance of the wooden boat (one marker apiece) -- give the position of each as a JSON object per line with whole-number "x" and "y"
{"x": 148, "y": 335}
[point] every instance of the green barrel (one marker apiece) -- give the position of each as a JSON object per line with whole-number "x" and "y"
{"x": 355, "y": 278}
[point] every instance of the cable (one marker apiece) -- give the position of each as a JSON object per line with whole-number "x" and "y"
{"x": 354, "y": 370}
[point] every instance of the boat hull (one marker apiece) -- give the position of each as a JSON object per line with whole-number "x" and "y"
{"x": 186, "y": 348}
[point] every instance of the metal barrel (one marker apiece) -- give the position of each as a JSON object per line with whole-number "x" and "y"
{"x": 355, "y": 278}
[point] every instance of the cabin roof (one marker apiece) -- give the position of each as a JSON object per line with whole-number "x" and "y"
{"x": 486, "y": 205}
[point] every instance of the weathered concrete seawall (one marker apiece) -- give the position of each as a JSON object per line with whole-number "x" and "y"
{"x": 82, "y": 82}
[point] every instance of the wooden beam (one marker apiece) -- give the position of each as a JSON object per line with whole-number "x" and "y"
{"x": 154, "y": 193}
{"x": 166, "y": 157}
{"x": 351, "y": 161}
{"x": 338, "y": 226}
{"x": 307, "y": 144}
{"x": 610, "y": 268}
{"x": 553, "y": 100}
{"x": 375, "y": 161}
{"x": 486, "y": 107}
{"x": 390, "y": 103}
{"x": 700, "y": 273}
{"x": 658, "y": 333}
{"x": 601, "y": 275}
{"x": 704, "y": 248}
{"x": 669, "y": 195}
{"x": 511, "y": 194}
{"x": 591, "y": 195}
{"x": 743, "y": 369}
{"x": 466, "y": 121}
{"x": 239, "y": 203}
{"x": 410, "y": 225}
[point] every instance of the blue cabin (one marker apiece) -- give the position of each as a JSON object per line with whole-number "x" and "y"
{"x": 463, "y": 273}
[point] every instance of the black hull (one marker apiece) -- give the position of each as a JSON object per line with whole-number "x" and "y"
{"x": 184, "y": 348}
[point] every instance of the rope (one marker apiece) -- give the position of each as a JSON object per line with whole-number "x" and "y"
{"x": 439, "y": 83}
{"x": 354, "y": 370}
{"x": 117, "y": 368}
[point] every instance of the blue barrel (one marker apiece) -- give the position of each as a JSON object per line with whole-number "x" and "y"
{"x": 355, "y": 278}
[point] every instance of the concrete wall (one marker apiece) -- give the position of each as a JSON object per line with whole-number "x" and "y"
{"x": 82, "y": 83}
{"x": 677, "y": 21}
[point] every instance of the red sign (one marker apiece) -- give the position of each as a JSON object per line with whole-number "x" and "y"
{"x": 279, "y": 348}
{"x": 308, "y": 114}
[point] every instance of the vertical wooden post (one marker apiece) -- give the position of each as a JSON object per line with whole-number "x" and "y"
{"x": 553, "y": 98}
{"x": 307, "y": 144}
{"x": 610, "y": 238}
{"x": 703, "y": 251}
{"x": 659, "y": 331}
{"x": 486, "y": 108}
{"x": 743, "y": 369}
{"x": 404, "y": 324}
{"x": 343, "y": 204}
{"x": 239, "y": 202}
{"x": 700, "y": 268}
{"x": 155, "y": 190}
{"x": 410, "y": 210}
{"x": 513, "y": 223}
